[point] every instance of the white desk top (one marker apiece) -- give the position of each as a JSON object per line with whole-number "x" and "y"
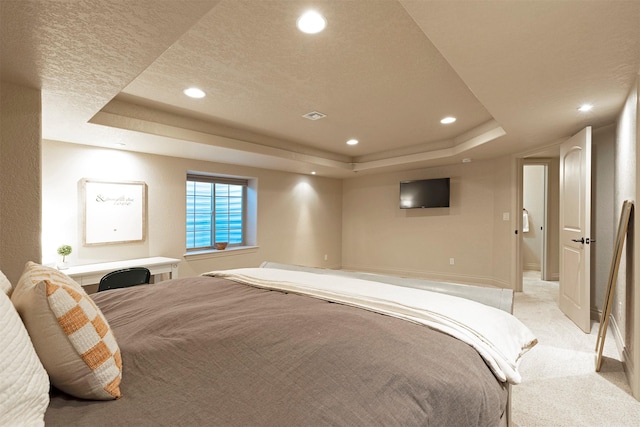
{"x": 116, "y": 265}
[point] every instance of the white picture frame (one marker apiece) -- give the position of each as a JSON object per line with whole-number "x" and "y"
{"x": 114, "y": 212}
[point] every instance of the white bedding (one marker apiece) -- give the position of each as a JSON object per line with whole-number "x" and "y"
{"x": 499, "y": 337}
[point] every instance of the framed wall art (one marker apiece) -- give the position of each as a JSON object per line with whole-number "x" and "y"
{"x": 114, "y": 212}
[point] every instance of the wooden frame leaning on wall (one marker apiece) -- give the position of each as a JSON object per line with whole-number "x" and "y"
{"x": 623, "y": 226}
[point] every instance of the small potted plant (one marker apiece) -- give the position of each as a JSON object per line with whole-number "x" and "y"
{"x": 63, "y": 251}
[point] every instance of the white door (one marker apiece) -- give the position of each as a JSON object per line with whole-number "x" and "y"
{"x": 575, "y": 228}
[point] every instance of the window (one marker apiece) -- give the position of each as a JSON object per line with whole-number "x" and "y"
{"x": 216, "y": 209}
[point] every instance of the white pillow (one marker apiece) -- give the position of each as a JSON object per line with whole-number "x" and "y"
{"x": 24, "y": 384}
{"x": 70, "y": 334}
{"x": 5, "y": 285}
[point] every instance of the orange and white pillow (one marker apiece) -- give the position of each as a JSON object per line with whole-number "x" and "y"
{"x": 24, "y": 384}
{"x": 70, "y": 334}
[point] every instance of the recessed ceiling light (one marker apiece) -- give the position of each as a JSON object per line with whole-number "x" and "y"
{"x": 313, "y": 172}
{"x": 352, "y": 142}
{"x": 466, "y": 160}
{"x": 314, "y": 115}
{"x": 585, "y": 107}
{"x": 194, "y": 92}
{"x": 448, "y": 120}
{"x": 311, "y": 22}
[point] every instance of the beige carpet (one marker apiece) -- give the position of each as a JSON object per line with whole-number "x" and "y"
{"x": 560, "y": 386}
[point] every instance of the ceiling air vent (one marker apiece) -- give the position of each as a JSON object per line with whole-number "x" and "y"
{"x": 314, "y": 115}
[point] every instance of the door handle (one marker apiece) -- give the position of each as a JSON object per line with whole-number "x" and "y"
{"x": 581, "y": 240}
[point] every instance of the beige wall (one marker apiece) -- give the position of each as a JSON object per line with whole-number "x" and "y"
{"x": 628, "y": 300}
{"x": 625, "y": 302}
{"x": 299, "y": 217}
{"x": 20, "y": 194}
{"x": 603, "y": 224}
{"x": 378, "y": 236}
{"x": 625, "y": 189}
{"x": 633, "y": 364}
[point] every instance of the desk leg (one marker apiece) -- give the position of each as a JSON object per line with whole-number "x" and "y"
{"x": 174, "y": 271}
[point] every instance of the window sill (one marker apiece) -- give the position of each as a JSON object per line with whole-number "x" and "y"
{"x": 214, "y": 253}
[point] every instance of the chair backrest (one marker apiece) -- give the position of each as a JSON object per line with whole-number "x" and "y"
{"x": 124, "y": 278}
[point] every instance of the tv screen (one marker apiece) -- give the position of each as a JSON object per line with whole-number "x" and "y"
{"x": 425, "y": 193}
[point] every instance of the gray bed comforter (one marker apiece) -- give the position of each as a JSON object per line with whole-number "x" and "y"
{"x": 206, "y": 351}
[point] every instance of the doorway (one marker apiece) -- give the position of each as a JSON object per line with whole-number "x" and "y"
{"x": 534, "y": 217}
{"x": 543, "y": 215}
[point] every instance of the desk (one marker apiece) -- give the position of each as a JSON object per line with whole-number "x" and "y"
{"x": 90, "y": 274}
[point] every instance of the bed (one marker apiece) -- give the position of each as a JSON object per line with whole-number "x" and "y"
{"x": 284, "y": 345}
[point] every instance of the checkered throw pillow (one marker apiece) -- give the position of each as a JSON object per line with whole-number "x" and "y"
{"x": 70, "y": 334}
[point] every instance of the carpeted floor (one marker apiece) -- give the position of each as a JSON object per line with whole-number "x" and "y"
{"x": 560, "y": 386}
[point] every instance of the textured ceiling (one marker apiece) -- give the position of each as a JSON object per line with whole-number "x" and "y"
{"x": 384, "y": 72}
{"x": 371, "y": 72}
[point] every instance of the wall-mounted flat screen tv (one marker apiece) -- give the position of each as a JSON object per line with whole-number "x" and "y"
{"x": 425, "y": 193}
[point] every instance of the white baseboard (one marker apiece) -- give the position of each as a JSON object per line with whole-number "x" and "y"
{"x": 532, "y": 266}
{"x": 627, "y": 361}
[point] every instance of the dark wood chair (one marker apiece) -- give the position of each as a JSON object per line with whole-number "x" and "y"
{"x": 124, "y": 278}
